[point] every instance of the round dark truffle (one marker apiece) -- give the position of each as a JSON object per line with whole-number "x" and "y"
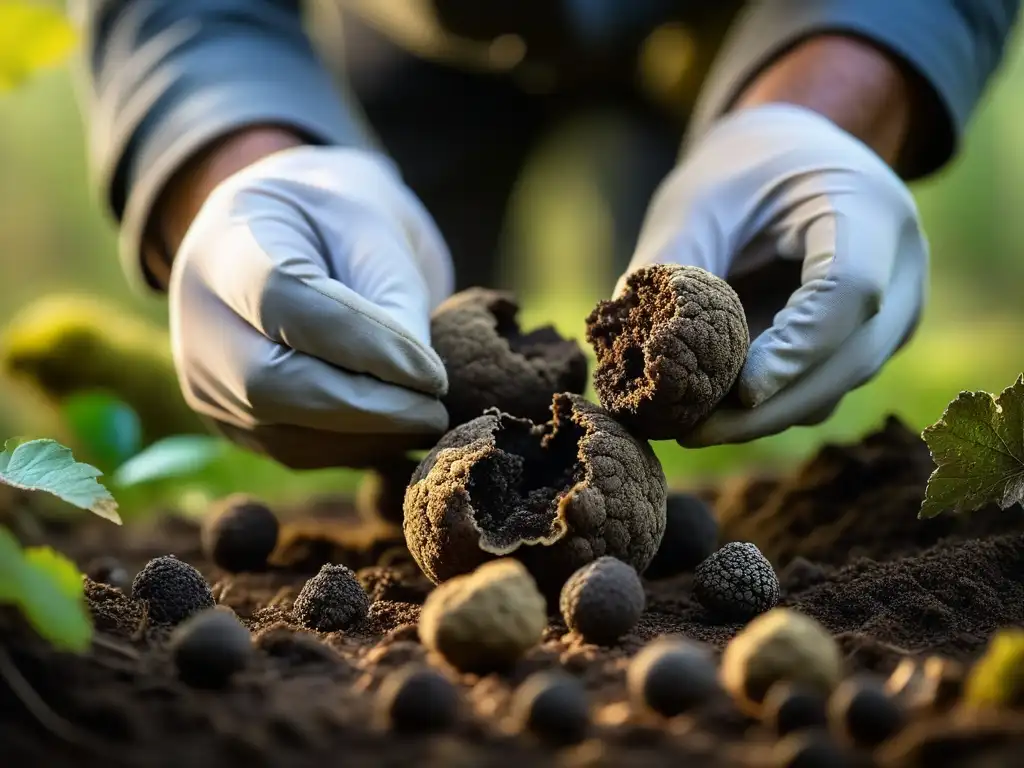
{"x": 210, "y": 647}
{"x": 556, "y": 496}
{"x": 332, "y": 600}
{"x": 491, "y": 363}
{"x": 109, "y": 570}
{"x": 417, "y": 699}
{"x": 603, "y": 600}
{"x": 671, "y": 676}
{"x": 861, "y": 714}
{"x": 553, "y": 707}
{"x": 239, "y": 534}
{"x": 172, "y": 589}
{"x": 669, "y": 349}
{"x": 736, "y": 583}
{"x": 789, "y": 707}
{"x": 691, "y": 536}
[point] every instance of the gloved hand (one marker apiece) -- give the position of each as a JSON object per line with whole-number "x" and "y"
{"x": 777, "y": 184}
{"x": 300, "y": 303}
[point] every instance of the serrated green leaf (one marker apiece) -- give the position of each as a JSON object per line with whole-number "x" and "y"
{"x": 978, "y": 449}
{"x": 174, "y": 456}
{"x": 46, "y": 465}
{"x": 32, "y": 37}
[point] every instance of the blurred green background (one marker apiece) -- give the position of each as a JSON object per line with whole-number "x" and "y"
{"x": 55, "y": 237}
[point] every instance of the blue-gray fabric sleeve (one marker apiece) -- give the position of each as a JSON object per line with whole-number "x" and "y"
{"x": 163, "y": 78}
{"x": 954, "y": 45}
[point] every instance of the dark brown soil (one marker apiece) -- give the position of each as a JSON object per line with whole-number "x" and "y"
{"x": 842, "y": 530}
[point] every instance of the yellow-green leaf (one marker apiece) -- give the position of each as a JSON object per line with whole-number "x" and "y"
{"x": 33, "y": 36}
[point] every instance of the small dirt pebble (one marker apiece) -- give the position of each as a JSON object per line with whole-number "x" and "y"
{"x": 788, "y": 708}
{"x": 553, "y": 706}
{"x": 485, "y": 620}
{"x": 240, "y": 533}
{"x": 810, "y": 749}
{"x": 736, "y": 583}
{"x": 332, "y": 600}
{"x": 691, "y": 536}
{"x": 672, "y": 675}
{"x": 110, "y": 571}
{"x": 210, "y": 647}
{"x": 417, "y": 699}
{"x": 603, "y": 600}
{"x": 861, "y": 714}
{"x": 782, "y": 644}
{"x": 172, "y": 589}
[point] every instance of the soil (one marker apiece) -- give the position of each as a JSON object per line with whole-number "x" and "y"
{"x": 841, "y": 530}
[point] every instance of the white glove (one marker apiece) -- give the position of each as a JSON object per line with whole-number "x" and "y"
{"x": 300, "y": 304}
{"x": 781, "y": 182}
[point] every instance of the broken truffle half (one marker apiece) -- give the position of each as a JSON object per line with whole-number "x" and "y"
{"x": 491, "y": 363}
{"x": 669, "y": 349}
{"x": 555, "y": 495}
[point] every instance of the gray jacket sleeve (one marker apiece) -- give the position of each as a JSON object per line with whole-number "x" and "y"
{"x": 165, "y": 77}
{"x": 955, "y": 45}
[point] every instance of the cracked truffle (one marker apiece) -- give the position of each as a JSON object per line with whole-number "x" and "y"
{"x": 491, "y": 363}
{"x": 556, "y": 495}
{"x": 484, "y": 620}
{"x": 332, "y": 600}
{"x": 669, "y": 349}
{"x": 210, "y": 648}
{"x": 172, "y": 589}
{"x": 691, "y": 536}
{"x": 736, "y": 582}
{"x": 603, "y": 600}
{"x": 239, "y": 534}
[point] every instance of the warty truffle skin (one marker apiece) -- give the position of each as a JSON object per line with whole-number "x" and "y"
{"x": 332, "y": 600}
{"x": 172, "y": 589}
{"x": 603, "y": 600}
{"x": 491, "y": 364}
{"x": 555, "y": 496}
{"x": 669, "y": 349}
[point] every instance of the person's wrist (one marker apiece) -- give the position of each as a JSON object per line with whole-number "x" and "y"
{"x": 185, "y": 193}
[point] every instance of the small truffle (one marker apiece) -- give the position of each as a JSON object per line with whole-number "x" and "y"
{"x": 862, "y": 715}
{"x": 172, "y": 589}
{"x": 553, "y": 707}
{"x": 669, "y": 349}
{"x": 485, "y": 620}
{"x": 109, "y": 570}
{"x": 210, "y": 648}
{"x": 239, "y": 534}
{"x": 782, "y": 644}
{"x": 788, "y": 708}
{"x": 332, "y": 600}
{"x": 417, "y": 699}
{"x": 672, "y": 675}
{"x": 556, "y": 496}
{"x": 691, "y": 536}
{"x": 492, "y": 364}
{"x": 736, "y": 583}
{"x": 603, "y": 600}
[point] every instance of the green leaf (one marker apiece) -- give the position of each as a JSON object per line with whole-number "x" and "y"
{"x": 46, "y": 465}
{"x": 48, "y": 590}
{"x": 978, "y": 449}
{"x": 175, "y": 456}
{"x": 32, "y": 37}
{"x": 107, "y": 428}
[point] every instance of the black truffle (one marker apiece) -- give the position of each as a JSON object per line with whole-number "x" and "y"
{"x": 239, "y": 534}
{"x": 492, "y": 364}
{"x": 332, "y": 600}
{"x": 417, "y": 699}
{"x": 556, "y": 496}
{"x": 672, "y": 675}
{"x": 861, "y": 714}
{"x": 789, "y": 707}
{"x": 603, "y": 600}
{"x": 669, "y": 349}
{"x": 172, "y": 589}
{"x": 736, "y": 583}
{"x": 691, "y": 536}
{"x": 553, "y": 707}
{"x": 210, "y": 647}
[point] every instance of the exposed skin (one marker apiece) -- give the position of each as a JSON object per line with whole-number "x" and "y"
{"x": 492, "y": 364}
{"x": 556, "y": 496}
{"x": 669, "y": 349}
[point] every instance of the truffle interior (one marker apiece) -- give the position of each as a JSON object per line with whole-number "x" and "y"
{"x": 620, "y": 328}
{"x": 515, "y": 490}
{"x": 543, "y": 342}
